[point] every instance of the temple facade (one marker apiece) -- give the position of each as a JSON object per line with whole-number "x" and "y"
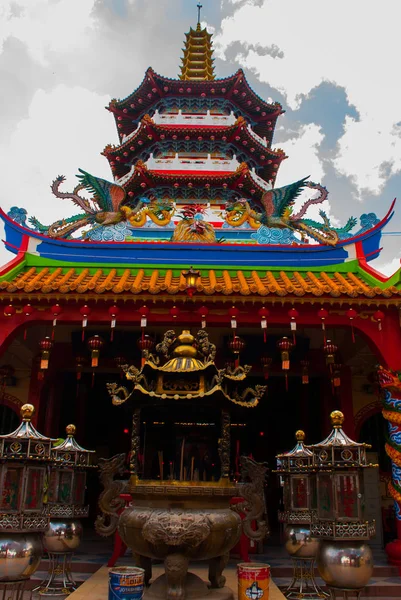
{"x": 192, "y": 232}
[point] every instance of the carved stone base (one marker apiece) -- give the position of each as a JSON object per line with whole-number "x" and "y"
{"x": 194, "y": 588}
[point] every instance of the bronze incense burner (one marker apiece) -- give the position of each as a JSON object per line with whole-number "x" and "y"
{"x": 182, "y": 513}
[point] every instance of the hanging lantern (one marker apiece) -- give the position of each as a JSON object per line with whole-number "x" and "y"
{"x": 233, "y": 314}
{"x": 336, "y": 374}
{"x": 191, "y": 277}
{"x": 45, "y": 346}
{"x": 56, "y": 310}
{"x": 263, "y": 314}
{"x": 146, "y": 342}
{"x": 329, "y": 350}
{"x": 174, "y": 312}
{"x": 95, "y": 344}
{"x": 79, "y": 363}
{"x": 9, "y": 310}
{"x": 305, "y": 371}
{"x": 379, "y": 317}
{"x": 27, "y": 310}
{"x": 285, "y": 346}
{"x": 113, "y": 312}
{"x": 293, "y": 314}
{"x": 203, "y": 311}
{"x": 322, "y": 314}
{"x": 236, "y": 345}
{"x": 352, "y": 314}
{"x": 85, "y": 312}
{"x": 266, "y": 362}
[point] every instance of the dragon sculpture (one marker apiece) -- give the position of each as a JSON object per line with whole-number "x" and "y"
{"x": 277, "y": 205}
{"x": 253, "y": 492}
{"x": 390, "y": 382}
{"x": 105, "y": 207}
{"x": 110, "y": 502}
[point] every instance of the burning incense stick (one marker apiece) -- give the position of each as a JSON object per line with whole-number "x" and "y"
{"x": 160, "y": 453}
{"x": 182, "y": 460}
{"x": 192, "y": 468}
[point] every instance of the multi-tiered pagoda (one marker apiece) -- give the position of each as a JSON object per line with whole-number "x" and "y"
{"x": 192, "y": 184}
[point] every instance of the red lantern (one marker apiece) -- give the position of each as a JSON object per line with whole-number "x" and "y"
{"x": 9, "y": 310}
{"x": 233, "y": 314}
{"x": 45, "y": 346}
{"x": 352, "y": 314}
{"x": 379, "y": 317}
{"x": 146, "y": 342}
{"x": 27, "y": 310}
{"x": 285, "y": 346}
{"x": 203, "y": 311}
{"x": 174, "y": 312}
{"x": 266, "y": 362}
{"x": 305, "y": 371}
{"x": 293, "y": 314}
{"x": 113, "y": 312}
{"x": 329, "y": 350}
{"x": 56, "y": 310}
{"x": 85, "y": 312}
{"x": 236, "y": 345}
{"x": 95, "y": 344}
{"x": 263, "y": 314}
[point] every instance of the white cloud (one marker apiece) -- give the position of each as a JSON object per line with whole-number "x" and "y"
{"x": 348, "y": 43}
{"x": 66, "y": 129}
{"x": 46, "y": 27}
{"x": 388, "y": 268}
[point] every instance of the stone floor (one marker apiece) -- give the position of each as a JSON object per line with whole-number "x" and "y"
{"x": 95, "y": 552}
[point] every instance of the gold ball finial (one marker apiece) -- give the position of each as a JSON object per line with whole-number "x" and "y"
{"x": 27, "y": 411}
{"x": 337, "y": 418}
{"x": 300, "y": 435}
{"x": 70, "y": 429}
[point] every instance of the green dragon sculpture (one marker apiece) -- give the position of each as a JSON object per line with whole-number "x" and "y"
{"x": 105, "y": 207}
{"x": 277, "y": 212}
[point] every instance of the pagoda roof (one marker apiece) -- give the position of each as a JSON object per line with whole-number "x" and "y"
{"x": 237, "y": 134}
{"x": 235, "y": 88}
{"x": 354, "y": 281}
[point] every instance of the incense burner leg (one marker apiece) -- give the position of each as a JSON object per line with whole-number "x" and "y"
{"x": 144, "y": 563}
{"x": 176, "y": 567}
{"x": 216, "y": 568}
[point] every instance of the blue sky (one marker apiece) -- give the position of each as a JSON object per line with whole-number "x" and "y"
{"x": 329, "y": 63}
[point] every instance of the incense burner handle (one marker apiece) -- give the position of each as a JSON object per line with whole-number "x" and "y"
{"x": 110, "y": 502}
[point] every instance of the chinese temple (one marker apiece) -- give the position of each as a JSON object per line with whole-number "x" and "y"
{"x": 191, "y": 232}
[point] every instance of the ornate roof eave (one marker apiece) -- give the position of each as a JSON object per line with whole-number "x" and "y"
{"x": 70, "y": 444}
{"x": 131, "y": 108}
{"x": 214, "y": 392}
{"x": 26, "y": 431}
{"x": 149, "y": 129}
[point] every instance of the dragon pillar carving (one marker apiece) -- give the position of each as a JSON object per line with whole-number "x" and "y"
{"x": 110, "y": 502}
{"x": 390, "y": 382}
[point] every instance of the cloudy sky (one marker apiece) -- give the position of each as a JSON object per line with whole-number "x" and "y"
{"x": 333, "y": 64}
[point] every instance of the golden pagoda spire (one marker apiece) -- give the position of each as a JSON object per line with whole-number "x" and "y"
{"x": 197, "y": 62}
